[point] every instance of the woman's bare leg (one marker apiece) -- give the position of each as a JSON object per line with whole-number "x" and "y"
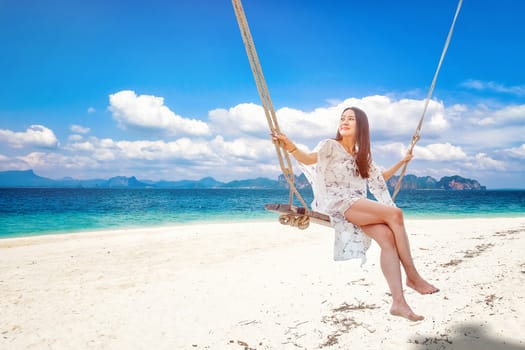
{"x": 366, "y": 212}
{"x": 390, "y": 265}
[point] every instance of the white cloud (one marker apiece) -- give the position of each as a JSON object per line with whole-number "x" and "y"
{"x": 74, "y": 138}
{"x": 104, "y": 150}
{"x": 444, "y": 155}
{"x": 245, "y": 118}
{"x": 517, "y": 152}
{"x": 495, "y": 87}
{"x": 399, "y": 118}
{"x": 109, "y": 150}
{"x": 91, "y": 110}
{"x": 393, "y": 150}
{"x": 187, "y": 158}
{"x": 216, "y": 149}
{"x": 314, "y": 125}
{"x": 35, "y": 135}
{"x": 388, "y": 118}
{"x": 440, "y": 152}
{"x": 81, "y": 146}
{"x": 52, "y": 161}
{"x": 183, "y": 148}
{"x": 148, "y": 113}
{"x": 9, "y": 163}
{"x": 78, "y": 129}
{"x": 482, "y": 161}
{"x": 505, "y": 116}
{"x": 469, "y": 140}
{"x": 243, "y": 148}
{"x": 482, "y": 116}
{"x": 482, "y": 128}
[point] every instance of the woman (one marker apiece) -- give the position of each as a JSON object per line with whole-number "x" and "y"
{"x": 340, "y": 170}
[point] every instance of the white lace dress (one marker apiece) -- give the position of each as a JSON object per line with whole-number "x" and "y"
{"x": 336, "y": 186}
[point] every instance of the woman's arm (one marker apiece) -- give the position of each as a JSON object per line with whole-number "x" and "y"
{"x": 387, "y": 174}
{"x": 290, "y": 147}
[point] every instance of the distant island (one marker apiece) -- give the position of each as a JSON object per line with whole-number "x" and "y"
{"x": 28, "y": 179}
{"x": 411, "y": 182}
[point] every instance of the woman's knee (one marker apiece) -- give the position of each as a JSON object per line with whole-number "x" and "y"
{"x": 396, "y": 215}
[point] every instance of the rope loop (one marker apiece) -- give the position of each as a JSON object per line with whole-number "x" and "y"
{"x": 300, "y": 221}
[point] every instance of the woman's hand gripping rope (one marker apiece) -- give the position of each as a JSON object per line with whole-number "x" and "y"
{"x": 283, "y": 141}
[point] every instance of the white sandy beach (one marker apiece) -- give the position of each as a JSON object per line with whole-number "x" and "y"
{"x": 259, "y": 285}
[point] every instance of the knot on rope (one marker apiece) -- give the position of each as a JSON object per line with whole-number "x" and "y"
{"x": 300, "y": 221}
{"x": 415, "y": 138}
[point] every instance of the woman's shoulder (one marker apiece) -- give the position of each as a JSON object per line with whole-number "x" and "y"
{"x": 326, "y": 147}
{"x": 326, "y": 143}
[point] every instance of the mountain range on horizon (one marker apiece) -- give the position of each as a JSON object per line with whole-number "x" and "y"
{"x": 28, "y": 179}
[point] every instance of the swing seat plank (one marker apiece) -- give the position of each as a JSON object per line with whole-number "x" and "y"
{"x": 287, "y": 209}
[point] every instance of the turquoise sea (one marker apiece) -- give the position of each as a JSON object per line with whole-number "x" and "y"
{"x": 36, "y": 211}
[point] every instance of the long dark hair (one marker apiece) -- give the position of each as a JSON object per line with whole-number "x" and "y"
{"x": 362, "y": 141}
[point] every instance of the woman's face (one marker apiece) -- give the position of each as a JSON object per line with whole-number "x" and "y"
{"x": 347, "y": 124}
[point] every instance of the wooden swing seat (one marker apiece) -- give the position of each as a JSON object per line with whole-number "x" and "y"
{"x": 298, "y": 216}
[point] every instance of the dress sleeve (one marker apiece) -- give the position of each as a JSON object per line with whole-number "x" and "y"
{"x": 378, "y": 187}
{"x": 315, "y": 174}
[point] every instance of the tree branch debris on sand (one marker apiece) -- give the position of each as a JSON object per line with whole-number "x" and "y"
{"x": 248, "y": 322}
{"x": 344, "y": 323}
{"x": 243, "y": 344}
{"x": 293, "y": 334}
{"x": 480, "y": 248}
{"x": 452, "y": 262}
{"x": 468, "y": 254}
{"x": 510, "y": 233}
{"x": 489, "y": 299}
{"x": 442, "y": 340}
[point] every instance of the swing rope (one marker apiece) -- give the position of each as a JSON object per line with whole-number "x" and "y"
{"x": 284, "y": 159}
{"x": 416, "y": 136}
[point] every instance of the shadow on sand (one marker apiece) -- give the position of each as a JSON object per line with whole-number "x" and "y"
{"x": 466, "y": 337}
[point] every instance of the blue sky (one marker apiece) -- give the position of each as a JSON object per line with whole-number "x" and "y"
{"x": 163, "y": 89}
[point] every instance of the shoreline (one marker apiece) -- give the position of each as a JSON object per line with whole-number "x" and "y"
{"x": 259, "y": 285}
{"x": 265, "y": 218}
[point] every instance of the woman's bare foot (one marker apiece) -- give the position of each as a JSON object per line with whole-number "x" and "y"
{"x": 422, "y": 286}
{"x": 406, "y": 312}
